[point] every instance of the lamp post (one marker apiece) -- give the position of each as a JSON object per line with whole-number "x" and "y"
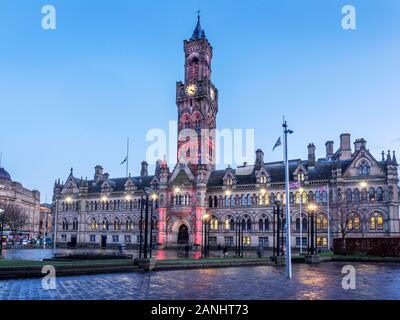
{"x": 239, "y": 237}
{"x": 1, "y": 231}
{"x": 310, "y": 229}
{"x": 148, "y": 193}
{"x": 301, "y": 221}
{"x": 205, "y": 227}
{"x": 153, "y": 201}
{"x": 141, "y": 227}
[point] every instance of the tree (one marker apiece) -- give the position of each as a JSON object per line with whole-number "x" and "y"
{"x": 14, "y": 217}
{"x": 347, "y": 219}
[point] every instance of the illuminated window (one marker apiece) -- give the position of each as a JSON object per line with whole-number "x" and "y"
{"x": 298, "y": 198}
{"x": 129, "y": 224}
{"x": 227, "y": 224}
{"x": 214, "y": 224}
{"x": 322, "y": 242}
{"x": 117, "y": 224}
{"x": 263, "y": 179}
{"x": 304, "y": 198}
{"x": 94, "y": 225}
{"x": 246, "y": 241}
{"x": 356, "y": 223}
{"x": 229, "y": 241}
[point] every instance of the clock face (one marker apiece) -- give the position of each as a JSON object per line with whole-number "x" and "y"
{"x": 191, "y": 89}
{"x": 212, "y": 94}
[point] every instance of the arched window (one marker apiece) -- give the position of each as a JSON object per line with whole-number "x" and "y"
{"x": 93, "y": 224}
{"x": 298, "y": 224}
{"x": 349, "y": 195}
{"x": 298, "y": 198}
{"x": 117, "y": 224}
{"x": 65, "y": 224}
{"x": 322, "y": 222}
{"x": 304, "y": 224}
{"x": 376, "y": 222}
{"x": 232, "y": 224}
{"x": 318, "y": 197}
{"x": 105, "y": 224}
{"x": 357, "y": 223}
{"x": 261, "y": 225}
{"x": 232, "y": 201}
{"x": 371, "y": 195}
{"x": 356, "y": 195}
{"x": 215, "y": 201}
{"x": 227, "y": 201}
{"x": 324, "y": 197}
{"x": 379, "y": 194}
{"x": 279, "y": 197}
{"x": 129, "y": 224}
{"x": 214, "y": 223}
{"x": 266, "y": 224}
{"x": 372, "y": 223}
{"x": 249, "y": 200}
{"x": 75, "y": 224}
{"x": 210, "y": 202}
{"x": 243, "y": 200}
{"x": 364, "y": 168}
{"x": 194, "y": 69}
{"x": 228, "y": 224}
{"x": 248, "y": 224}
{"x": 304, "y": 197}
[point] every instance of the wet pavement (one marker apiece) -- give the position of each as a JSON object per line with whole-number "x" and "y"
{"x": 323, "y": 281}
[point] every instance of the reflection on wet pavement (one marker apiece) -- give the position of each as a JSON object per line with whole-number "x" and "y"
{"x": 323, "y": 281}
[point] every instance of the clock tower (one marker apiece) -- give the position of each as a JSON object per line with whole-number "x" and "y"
{"x": 197, "y": 102}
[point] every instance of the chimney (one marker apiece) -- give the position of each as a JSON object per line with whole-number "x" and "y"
{"x": 345, "y": 148}
{"x": 359, "y": 144}
{"x": 329, "y": 150}
{"x": 311, "y": 154}
{"x": 259, "y": 158}
{"x": 144, "y": 172}
{"x": 98, "y": 173}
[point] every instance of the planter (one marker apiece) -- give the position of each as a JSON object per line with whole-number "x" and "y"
{"x": 311, "y": 259}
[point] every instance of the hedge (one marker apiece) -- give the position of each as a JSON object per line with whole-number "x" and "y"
{"x": 381, "y": 247}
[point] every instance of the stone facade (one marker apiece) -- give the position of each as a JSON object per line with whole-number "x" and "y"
{"x": 354, "y": 194}
{"x": 13, "y": 192}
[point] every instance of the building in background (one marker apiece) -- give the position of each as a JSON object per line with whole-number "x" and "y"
{"x": 45, "y": 221}
{"x": 13, "y": 192}
{"x": 349, "y": 187}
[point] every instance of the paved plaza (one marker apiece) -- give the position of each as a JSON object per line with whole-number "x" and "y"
{"x": 374, "y": 281}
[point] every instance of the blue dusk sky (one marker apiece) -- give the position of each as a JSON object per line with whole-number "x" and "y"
{"x": 70, "y": 97}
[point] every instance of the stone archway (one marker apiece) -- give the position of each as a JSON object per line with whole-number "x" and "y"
{"x": 183, "y": 234}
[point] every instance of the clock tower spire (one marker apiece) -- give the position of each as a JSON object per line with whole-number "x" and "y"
{"x": 197, "y": 102}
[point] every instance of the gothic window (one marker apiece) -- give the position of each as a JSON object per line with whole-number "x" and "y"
{"x": 93, "y": 224}
{"x": 304, "y": 198}
{"x": 304, "y": 225}
{"x": 210, "y": 202}
{"x": 271, "y": 197}
{"x": 371, "y": 195}
{"x": 129, "y": 224}
{"x": 349, "y": 195}
{"x": 75, "y": 224}
{"x": 227, "y": 224}
{"x": 117, "y": 224}
{"x": 291, "y": 198}
{"x": 278, "y": 197}
{"x": 364, "y": 168}
{"x": 194, "y": 69}
{"x": 266, "y": 224}
{"x": 263, "y": 179}
{"x": 322, "y": 222}
{"x": 243, "y": 200}
{"x": 324, "y": 197}
{"x": 298, "y": 224}
{"x": 357, "y": 223}
{"x": 298, "y": 198}
{"x": 356, "y": 195}
{"x": 248, "y": 224}
{"x": 248, "y": 200}
{"x": 376, "y": 222}
{"x": 318, "y": 197}
{"x": 105, "y": 225}
{"x": 65, "y": 224}
{"x": 379, "y": 194}
{"x": 215, "y": 202}
{"x": 214, "y": 223}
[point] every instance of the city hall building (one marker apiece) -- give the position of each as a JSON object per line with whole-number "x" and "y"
{"x": 354, "y": 194}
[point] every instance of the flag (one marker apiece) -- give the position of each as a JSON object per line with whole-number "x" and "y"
{"x": 323, "y": 189}
{"x": 277, "y": 144}
{"x": 294, "y": 185}
{"x": 126, "y": 159}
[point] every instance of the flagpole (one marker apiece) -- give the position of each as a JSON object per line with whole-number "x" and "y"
{"x": 288, "y": 236}
{"x": 127, "y": 156}
{"x": 329, "y": 227}
{"x": 301, "y": 223}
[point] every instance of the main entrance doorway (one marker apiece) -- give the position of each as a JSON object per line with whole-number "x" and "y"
{"x": 183, "y": 235}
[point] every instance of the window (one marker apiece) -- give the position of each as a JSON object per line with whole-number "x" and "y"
{"x": 246, "y": 241}
{"x": 322, "y": 223}
{"x": 356, "y": 195}
{"x": 379, "y": 194}
{"x": 92, "y": 238}
{"x": 214, "y": 223}
{"x": 115, "y": 239}
{"x": 322, "y": 241}
{"x": 304, "y": 244}
{"x": 65, "y": 224}
{"x": 304, "y": 198}
{"x": 349, "y": 195}
{"x": 117, "y": 224}
{"x": 229, "y": 241}
{"x": 105, "y": 224}
{"x": 63, "y": 237}
{"x": 263, "y": 241}
{"x": 357, "y": 223}
{"x": 213, "y": 240}
{"x": 376, "y": 222}
{"x": 364, "y": 168}
{"x": 263, "y": 179}
{"x": 138, "y": 239}
{"x": 129, "y": 224}
{"x": 128, "y": 239}
{"x": 372, "y": 194}
{"x": 248, "y": 224}
{"x": 297, "y": 200}
{"x": 263, "y": 224}
{"x": 227, "y": 224}
{"x": 93, "y": 224}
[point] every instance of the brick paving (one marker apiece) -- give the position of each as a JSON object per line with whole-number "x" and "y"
{"x": 374, "y": 281}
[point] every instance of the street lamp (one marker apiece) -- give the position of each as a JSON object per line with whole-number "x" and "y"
{"x": 301, "y": 190}
{"x": 154, "y": 198}
{"x": 149, "y": 193}
{"x": 310, "y": 229}
{"x": 205, "y": 227}
{"x": 1, "y": 231}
